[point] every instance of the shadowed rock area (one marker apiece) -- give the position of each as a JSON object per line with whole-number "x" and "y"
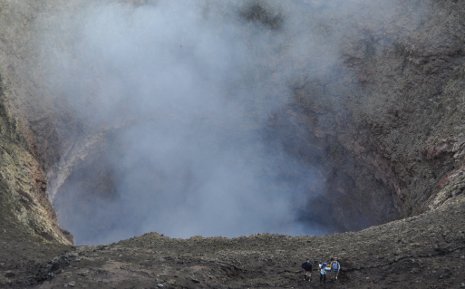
{"x": 386, "y": 128}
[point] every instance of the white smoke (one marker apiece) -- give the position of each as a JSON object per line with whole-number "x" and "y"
{"x": 187, "y": 89}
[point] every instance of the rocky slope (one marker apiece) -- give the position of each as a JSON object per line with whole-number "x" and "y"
{"x": 425, "y": 251}
{"x": 393, "y": 147}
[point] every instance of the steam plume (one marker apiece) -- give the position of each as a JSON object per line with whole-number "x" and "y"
{"x": 187, "y": 90}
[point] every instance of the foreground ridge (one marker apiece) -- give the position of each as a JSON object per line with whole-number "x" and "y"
{"x": 409, "y": 253}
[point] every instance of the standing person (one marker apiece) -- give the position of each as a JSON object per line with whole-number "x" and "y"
{"x": 323, "y": 273}
{"x": 335, "y": 267}
{"x": 308, "y": 267}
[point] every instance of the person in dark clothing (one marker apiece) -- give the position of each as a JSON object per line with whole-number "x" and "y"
{"x": 335, "y": 267}
{"x": 308, "y": 267}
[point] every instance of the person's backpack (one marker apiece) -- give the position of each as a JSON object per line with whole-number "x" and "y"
{"x": 335, "y": 265}
{"x": 307, "y": 266}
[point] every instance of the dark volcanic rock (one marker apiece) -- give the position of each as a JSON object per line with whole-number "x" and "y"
{"x": 411, "y": 253}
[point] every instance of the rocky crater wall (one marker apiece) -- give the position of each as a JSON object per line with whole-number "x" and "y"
{"x": 388, "y": 135}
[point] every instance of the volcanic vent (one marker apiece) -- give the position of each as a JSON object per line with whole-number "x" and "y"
{"x": 235, "y": 118}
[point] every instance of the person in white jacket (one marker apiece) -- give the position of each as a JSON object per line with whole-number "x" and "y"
{"x": 323, "y": 273}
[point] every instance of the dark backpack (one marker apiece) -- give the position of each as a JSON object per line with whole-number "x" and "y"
{"x": 307, "y": 266}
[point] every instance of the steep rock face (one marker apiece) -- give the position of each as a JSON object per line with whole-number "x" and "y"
{"x": 23, "y": 186}
{"x": 24, "y": 202}
{"x": 419, "y": 83}
{"x": 397, "y": 146}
